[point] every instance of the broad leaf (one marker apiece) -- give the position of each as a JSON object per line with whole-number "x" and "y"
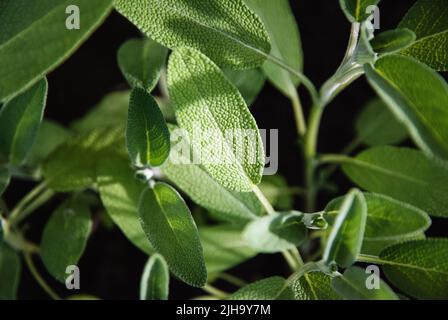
{"x": 428, "y": 19}
{"x": 20, "y": 119}
{"x": 172, "y": 231}
{"x": 5, "y": 177}
{"x": 346, "y": 236}
{"x": 419, "y": 268}
{"x": 353, "y": 286}
{"x": 227, "y": 32}
{"x": 147, "y": 135}
{"x": 266, "y": 289}
{"x": 155, "y": 279}
{"x": 313, "y": 286}
{"x": 357, "y": 10}
{"x": 224, "y": 134}
{"x": 418, "y": 97}
{"x": 393, "y": 41}
{"x": 249, "y": 82}
{"x": 65, "y": 237}
{"x": 141, "y": 61}
{"x": 27, "y": 25}
{"x": 10, "y": 270}
{"x": 404, "y": 174}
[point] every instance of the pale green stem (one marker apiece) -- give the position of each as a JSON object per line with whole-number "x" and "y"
{"x": 31, "y": 207}
{"x": 370, "y": 259}
{"x": 265, "y": 203}
{"x": 26, "y": 200}
{"x": 232, "y": 279}
{"x": 298, "y": 114}
{"x": 215, "y": 291}
{"x": 29, "y": 262}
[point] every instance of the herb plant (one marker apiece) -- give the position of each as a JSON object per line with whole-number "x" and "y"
{"x": 210, "y": 60}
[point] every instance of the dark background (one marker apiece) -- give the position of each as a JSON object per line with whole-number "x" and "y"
{"x": 111, "y": 267}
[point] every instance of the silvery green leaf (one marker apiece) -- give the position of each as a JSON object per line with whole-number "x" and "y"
{"x": 249, "y": 82}
{"x": 154, "y": 284}
{"x": 393, "y": 41}
{"x": 266, "y": 289}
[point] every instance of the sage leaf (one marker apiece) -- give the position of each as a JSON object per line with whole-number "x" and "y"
{"x": 313, "y": 286}
{"x": 20, "y": 119}
{"x": 5, "y": 177}
{"x": 155, "y": 279}
{"x": 279, "y": 21}
{"x": 418, "y": 97}
{"x": 41, "y": 22}
{"x": 419, "y": 268}
{"x": 265, "y": 289}
{"x": 428, "y": 19}
{"x": 377, "y": 125}
{"x": 227, "y": 32}
{"x": 276, "y": 233}
{"x": 167, "y": 222}
{"x": 249, "y": 82}
{"x": 147, "y": 135}
{"x": 346, "y": 236}
{"x": 276, "y": 190}
{"x": 356, "y": 10}
{"x": 404, "y": 174}
{"x": 208, "y": 105}
{"x": 65, "y": 236}
{"x": 10, "y": 270}
{"x": 393, "y": 41}
{"x": 141, "y": 61}
{"x": 353, "y": 286}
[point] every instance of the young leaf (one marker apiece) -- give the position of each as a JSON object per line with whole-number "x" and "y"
{"x": 428, "y": 19}
{"x": 417, "y": 96}
{"x": 209, "y": 26}
{"x": 313, "y": 286}
{"x": 213, "y": 112}
{"x": 279, "y": 22}
{"x": 147, "y": 135}
{"x": 65, "y": 237}
{"x": 154, "y": 284}
{"x": 5, "y": 177}
{"x": 40, "y": 22}
{"x": 120, "y": 194}
{"x": 353, "y": 286}
{"x": 393, "y": 41}
{"x": 419, "y": 268}
{"x": 356, "y": 10}
{"x": 276, "y": 233}
{"x": 345, "y": 240}
{"x": 141, "y": 61}
{"x": 20, "y": 119}
{"x": 377, "y": 125}
{"x": 266, "y": 289}
{"x": 249, "y": 82}
{"x": 404, "y": 174}
{"x": 167, "y": 222}
{"x": 9, "y": 273}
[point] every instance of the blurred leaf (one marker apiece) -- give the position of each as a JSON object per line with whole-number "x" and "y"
{"x": 249, "y": 82}
{"x": 5, "y": 177}
{"x": 10, "y": 270}
{"x": 82, "y": 297}
{"x": 393, "y": 41}
{"x": 266, "y": 289}
{"x": 356, "y": 10}
{"x": 313, "y": 286}
{"x": 154, "y": 284}
{"x": 277, "y": 191}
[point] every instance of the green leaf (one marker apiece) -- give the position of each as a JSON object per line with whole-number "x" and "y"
{"x": 141, "y": 61}
{"x": 147, "y": 135}
{"x": 65, "y": 236}
{"x": 419, "y": 268}
{"x": 9, "y": 273}
{"x": 172, "y": 231}
{"x": 20, "y": 119}
{"x": 393, "y": 41}
{"x": 249, "y": 82}
{"x": 281, "y": 25}
{"x": 356, "y": 10}
{"x": 418, "y": 97}
{"x": 313, "y": 286}
{"x": 120, "y": 194}
{"x": 5, "y": 177}
{"x": 428, "y": 19}
{"x": 266, "y": 289}
{"x": 277, "y": 191}
{"x": 155, "y": 279}
{"x": 346, "y": 236}
{"x": 214, "y": 113}
{"x": 404, "y": 174}
{"x": 377, "y": 125}
{"x": 353, "y": 286}
{"x": 27, "y": 26}
{"x": 276, "y": 233}
{"x": 227, "y": 32}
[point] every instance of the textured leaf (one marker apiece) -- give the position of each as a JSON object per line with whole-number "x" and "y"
{"x": 9, "y": 273}
{"x": 404, "y": 174}
{"x": 429, "y": 20}
{"x": 346, "y": 236}
{"x": 249, "y": 82}
{"x": 5, "y": 177}
{"x": 37, "y": 30}
{"x": 314, "y": 286}
{"x": 172, "y": 231}
{"x": 279, "y": 22}
{"x": 65, "y": 237}
{"x": 20, "y": 119}
{"x": 418, "y": 97}
{"x": 213, "y": 112}
{"x": 155, "y": 279}
{"x": 356, "y": 10}
{"x": 377, "y": 125}
{"x": 352, "y": 286}
{"x": 227, "y": 32}
{"x": 266, "y": 289}
{"x": 276, "y": 233}
{"x": 141, "y": 61}
{"x": 392, "y": 41}
{"x": 147, "y": 135}
{"x": 419, "y": 268}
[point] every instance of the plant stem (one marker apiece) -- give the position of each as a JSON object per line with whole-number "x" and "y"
{"x": 298, "y": 114}
{"x": 334, "y": 158}
{"x": 266, "y": 204}
{"x": 31, "y": 207}
{"x": 215, "y": 291}
{"x": 26, "y": 200}
{"x": 232, "y": 279}
{"x": 369, "y": 259}
{"x": 29, "y": 262}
